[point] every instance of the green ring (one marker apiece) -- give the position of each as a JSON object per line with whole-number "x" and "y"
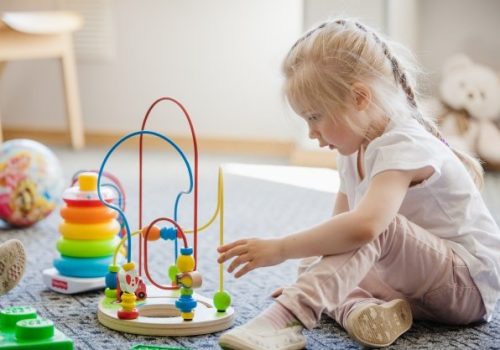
{"x": 87, "y": 248}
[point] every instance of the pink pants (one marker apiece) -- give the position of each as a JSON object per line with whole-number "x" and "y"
{"x": 404, "y": 262}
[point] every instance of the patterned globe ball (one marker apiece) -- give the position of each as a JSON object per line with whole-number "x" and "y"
{"x": 31, "y": 182}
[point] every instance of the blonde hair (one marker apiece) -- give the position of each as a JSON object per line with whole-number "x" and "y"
{"x": 322, "y": 67}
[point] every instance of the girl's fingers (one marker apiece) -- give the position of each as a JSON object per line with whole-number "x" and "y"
{"x": 237, "y": 262}
{"x": 231, "y": 245}
{"x": 237, "y": 251}
{"x": 244, "y": 270}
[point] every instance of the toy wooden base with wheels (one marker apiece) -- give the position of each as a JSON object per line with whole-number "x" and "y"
{"x": 159, "y": 316}
{"x": 150, "y": 308}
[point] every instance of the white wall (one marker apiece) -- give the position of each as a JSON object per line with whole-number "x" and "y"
{"x": 221, "y": 58}
{"x": 371, "y": 12}
{"x": 447, "y": 27}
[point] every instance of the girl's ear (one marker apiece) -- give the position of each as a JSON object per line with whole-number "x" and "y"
{"x": 361, "y": 95}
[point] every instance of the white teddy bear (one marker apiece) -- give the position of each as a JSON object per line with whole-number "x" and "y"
{"x": 470, "y": 94}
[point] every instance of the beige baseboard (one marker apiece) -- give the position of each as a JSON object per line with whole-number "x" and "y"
{"x": 303, "y": 157}
{"x": 231, "y": 146}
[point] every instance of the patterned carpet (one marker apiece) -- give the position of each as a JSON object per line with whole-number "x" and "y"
{"x": 253, "y": 208}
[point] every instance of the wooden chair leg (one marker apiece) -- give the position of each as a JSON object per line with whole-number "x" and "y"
{"x": 73, "y": 109}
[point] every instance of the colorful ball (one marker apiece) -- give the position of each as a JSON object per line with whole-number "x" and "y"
{"x": 31, "y": 182}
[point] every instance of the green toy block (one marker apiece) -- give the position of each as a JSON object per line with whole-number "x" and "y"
{"x": 21, "y": 328}
{"x": 154, "y": 347}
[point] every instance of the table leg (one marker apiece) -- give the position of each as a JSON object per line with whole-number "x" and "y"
{"x": 73, "y": 109}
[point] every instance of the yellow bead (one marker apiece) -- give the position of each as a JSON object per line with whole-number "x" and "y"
{"x": 188, "y": 316}
{"x": 186, "y": 281}
{"x": 87, "y": 181}
{"x": 128, "y": 301}
{"x": 185, "y": 263}
{"x": 129, "y": 266}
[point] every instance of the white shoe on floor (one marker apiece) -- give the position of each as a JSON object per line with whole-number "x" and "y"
{"x": 248, "y": 338}
{"x": 377, "y": 326}
{"x": 12, "y": 263}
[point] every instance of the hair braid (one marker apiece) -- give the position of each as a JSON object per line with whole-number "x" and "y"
{"x": 401, "y": 79}
{"x": 312, "y": 31}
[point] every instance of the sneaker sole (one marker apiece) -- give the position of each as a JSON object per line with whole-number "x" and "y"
{"x": 12, "y": 264}
{"x": 380, "y": 325}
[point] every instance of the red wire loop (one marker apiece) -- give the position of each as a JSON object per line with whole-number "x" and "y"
{"x": 146, "y": 270}
{"x": 195, "y": 206}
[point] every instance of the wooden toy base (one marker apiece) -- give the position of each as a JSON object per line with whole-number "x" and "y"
{"x": 71, "y": 285}
{"x": 159, "y": 316}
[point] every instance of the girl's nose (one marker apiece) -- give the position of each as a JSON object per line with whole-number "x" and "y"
{"x": 313, "y": 134}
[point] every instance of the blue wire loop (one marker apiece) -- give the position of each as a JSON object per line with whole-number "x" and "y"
{"x": 122, "y": 214}
{"x": 118, "y": 193}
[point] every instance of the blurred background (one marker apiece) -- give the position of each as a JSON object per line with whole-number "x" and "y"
{"x": 221, "y": 58}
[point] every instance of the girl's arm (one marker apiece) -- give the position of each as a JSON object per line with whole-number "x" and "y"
{"x": 341, "y": 204}
{"x": 352, "y": 229}
{"x": 341, "y": 233}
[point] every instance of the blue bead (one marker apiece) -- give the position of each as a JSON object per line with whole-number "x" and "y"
{"x": 111, "y": 280}
{"x": 186, "y": 251}
{"x": 168, "y": 233}
{"x": 185, "y": 303}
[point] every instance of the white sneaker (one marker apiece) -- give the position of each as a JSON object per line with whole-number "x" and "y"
{"x": 379, "y": 325}
{"x": 248, "y": 338}
{"x": 12, "y": 263}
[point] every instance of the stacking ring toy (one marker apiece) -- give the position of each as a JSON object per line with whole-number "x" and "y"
{"x": 83, "y": 267}
{"x": 87, "y": 249}
{"x": 86, "y": 232}
{"x": 90, "y": 215}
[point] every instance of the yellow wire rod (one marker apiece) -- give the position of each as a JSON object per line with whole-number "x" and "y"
{"x": 217, "y": 210}
{"x": 220, "y": 208}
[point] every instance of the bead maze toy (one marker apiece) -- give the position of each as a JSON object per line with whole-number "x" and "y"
{"x": 89, "y": 235}
{"x": 135, "y": 303}
{"x": 21, "y": 328}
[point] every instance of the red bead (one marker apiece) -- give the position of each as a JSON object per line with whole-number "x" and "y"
{"x": 128, "y": 315}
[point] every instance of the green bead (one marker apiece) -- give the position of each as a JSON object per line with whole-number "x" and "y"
{"x": 222, "y": 300}
{"x": 172, "y": 272}
{"x": 113, "y": 268}
{"x": 186, "y": 291}
{"x": 110, "y": 293}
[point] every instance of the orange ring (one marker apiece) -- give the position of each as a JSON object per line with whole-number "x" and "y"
{"x": 106, "y": 230}
{"x": 89, "y": 215}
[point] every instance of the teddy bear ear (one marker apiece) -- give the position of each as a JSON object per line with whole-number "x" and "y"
{"x": 458, "y": 61}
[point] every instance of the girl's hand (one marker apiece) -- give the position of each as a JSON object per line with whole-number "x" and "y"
{"x": 251, "y": 253}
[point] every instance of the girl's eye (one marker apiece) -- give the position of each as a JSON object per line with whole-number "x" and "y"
{"x": 313, "y": 117}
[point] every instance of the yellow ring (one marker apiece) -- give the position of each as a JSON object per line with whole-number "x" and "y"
{"x": 89, "y": 231}
{"x": 87, "y": 249}
{"x": 87, "y": 215}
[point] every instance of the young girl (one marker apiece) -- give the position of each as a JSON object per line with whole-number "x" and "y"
{"x": 410, "y": 236}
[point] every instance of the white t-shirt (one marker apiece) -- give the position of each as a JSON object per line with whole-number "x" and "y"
{"x": 447, "y": 204}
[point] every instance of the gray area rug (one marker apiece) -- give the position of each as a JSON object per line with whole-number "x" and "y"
{"x": 253, "y": 208}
